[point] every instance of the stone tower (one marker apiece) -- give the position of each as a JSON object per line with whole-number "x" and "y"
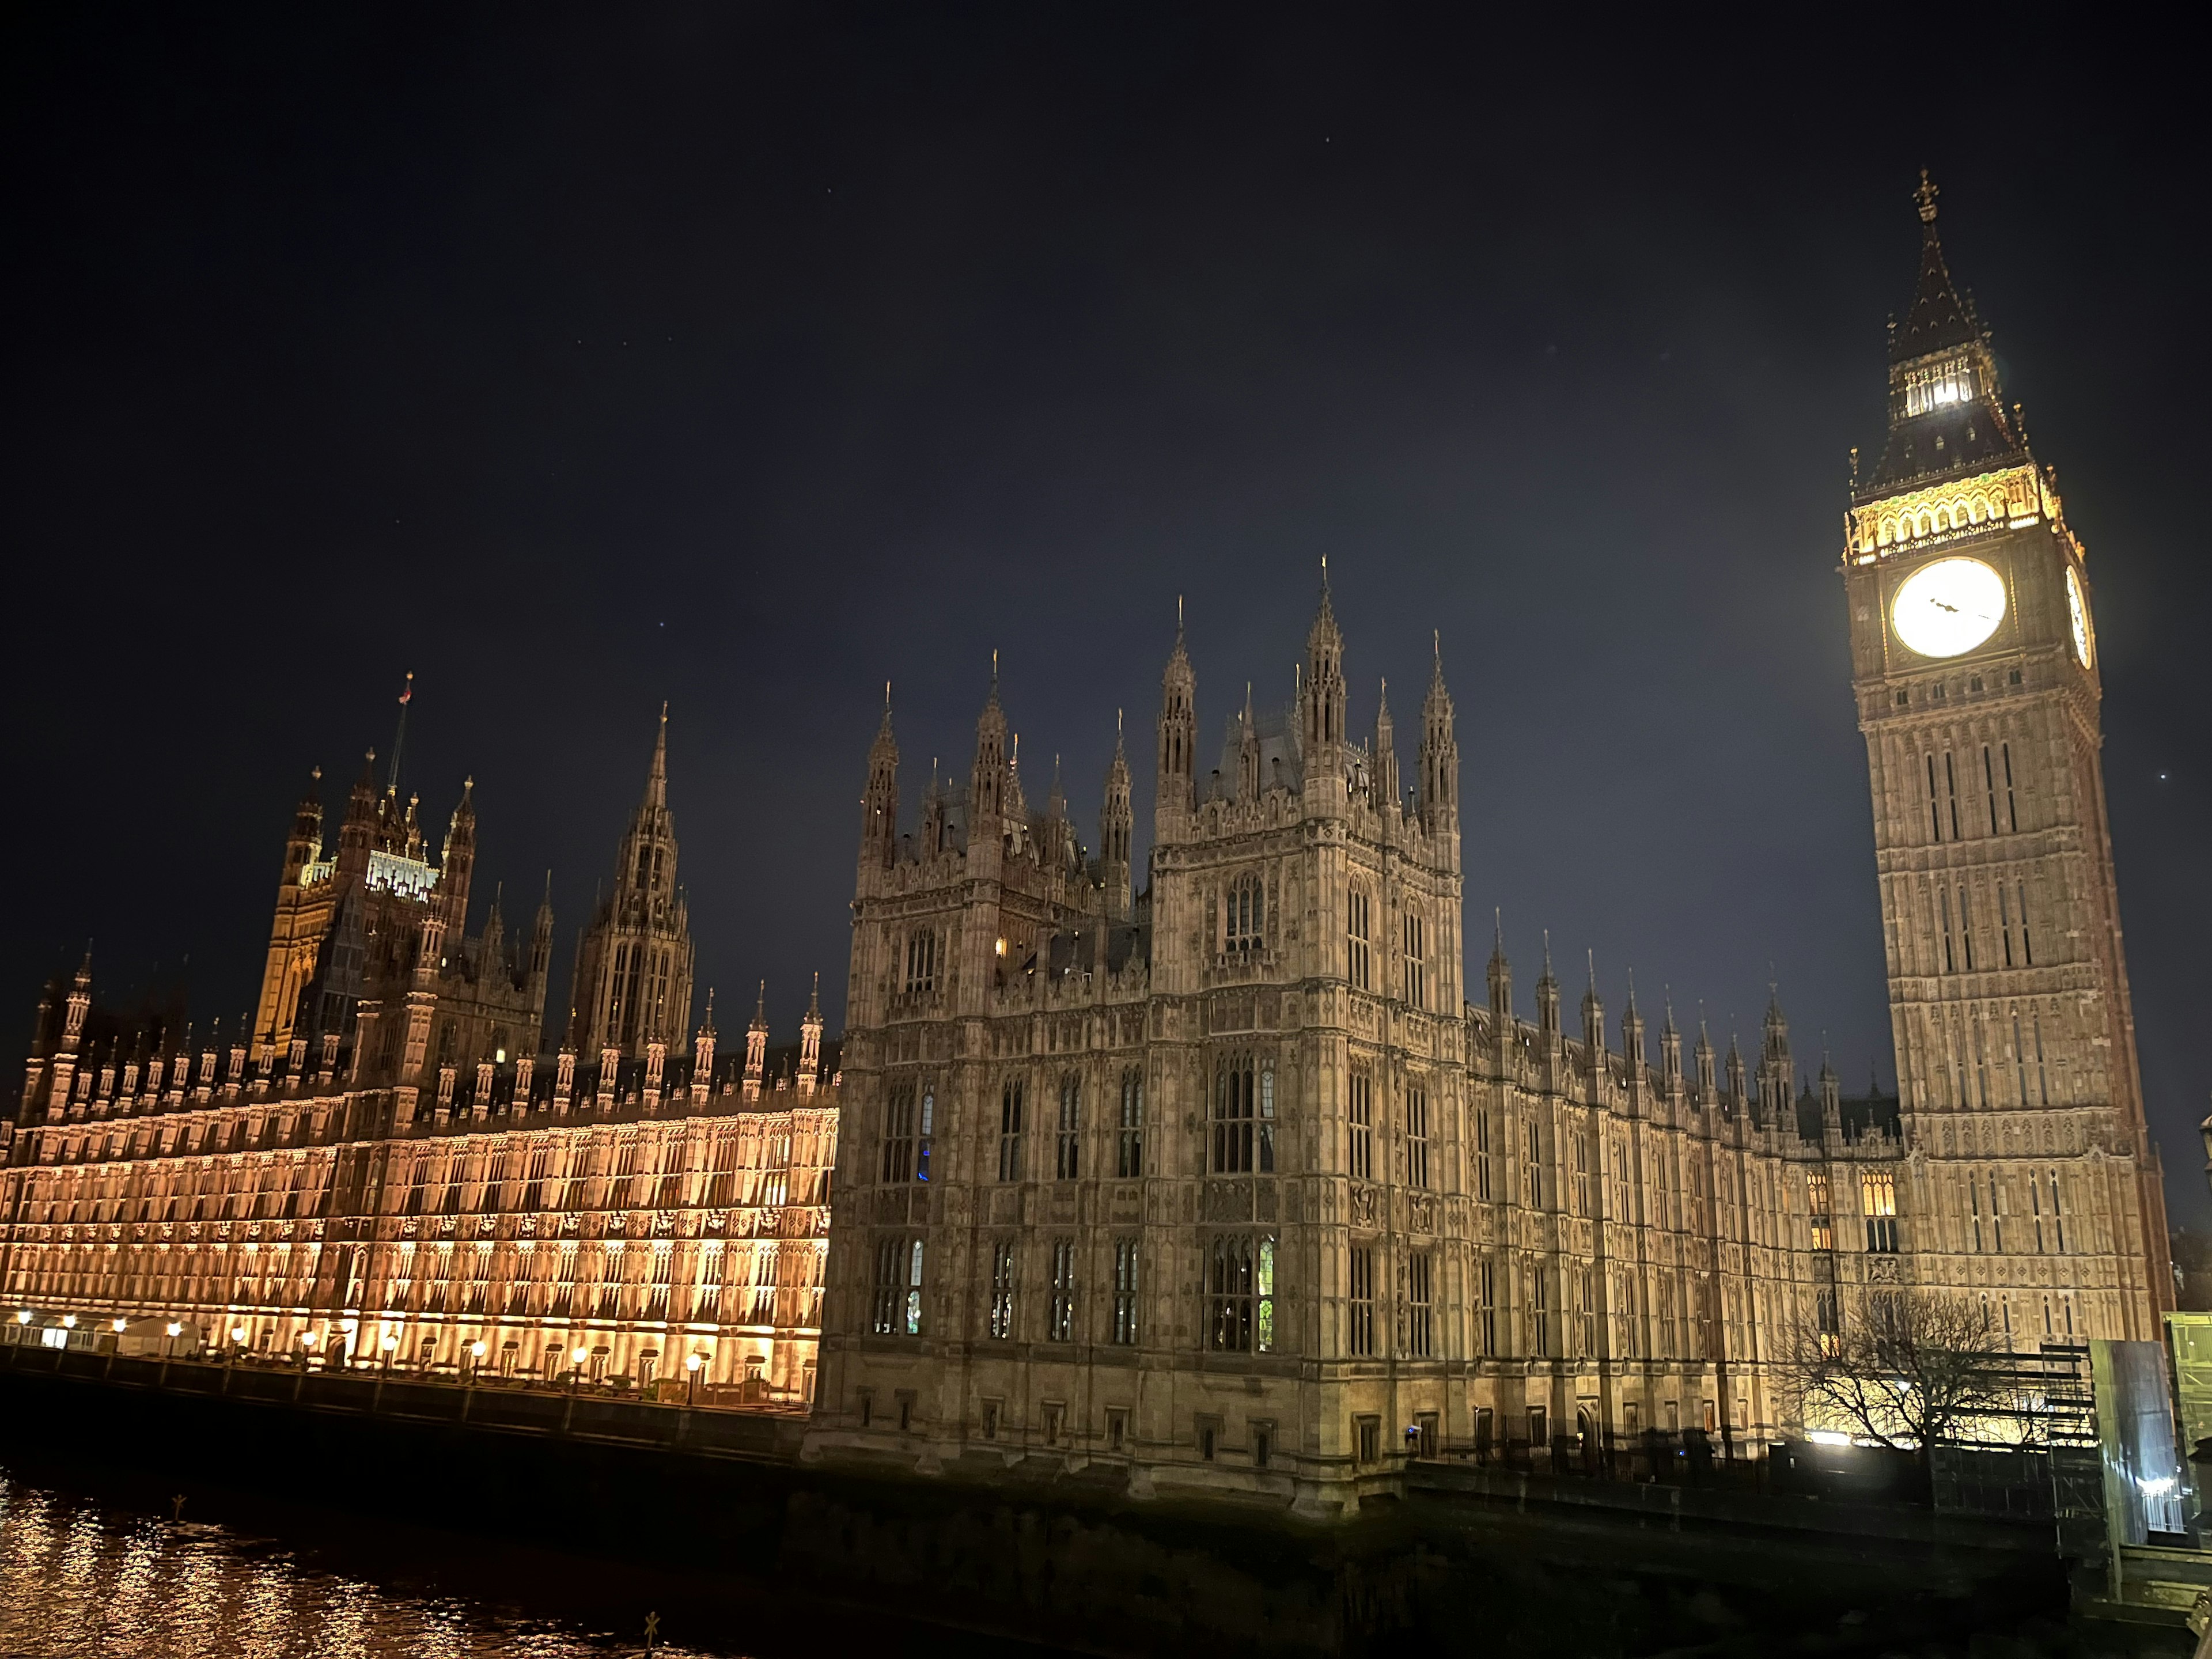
{"x": 632, "y": 986}
{"x": 2033, "y": 1183}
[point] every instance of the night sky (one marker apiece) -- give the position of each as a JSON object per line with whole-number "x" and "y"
{"x": 747, "y": 359}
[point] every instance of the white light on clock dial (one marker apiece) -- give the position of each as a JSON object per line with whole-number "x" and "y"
{"x": 1949, "y": 607}
{"x": 2077, "y": 616}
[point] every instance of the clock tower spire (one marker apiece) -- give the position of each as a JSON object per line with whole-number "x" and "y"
{"x": 1974, "y": 666}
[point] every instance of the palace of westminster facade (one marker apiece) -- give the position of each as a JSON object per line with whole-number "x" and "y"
{"x": 1226, "y": 1180}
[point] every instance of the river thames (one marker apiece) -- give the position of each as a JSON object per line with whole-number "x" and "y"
{"x": 110, "y": 1574}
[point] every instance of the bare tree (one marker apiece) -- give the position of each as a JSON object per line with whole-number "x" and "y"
{"x": 1907, "y": 1370}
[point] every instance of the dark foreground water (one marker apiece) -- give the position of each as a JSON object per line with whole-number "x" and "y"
{"x": 81, "y": 1575}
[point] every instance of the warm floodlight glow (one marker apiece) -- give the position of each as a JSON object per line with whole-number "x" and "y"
{"x": 389, "y": 1343}
{"x": 118, "y": 1326}
{"x": 68, "y": 1322}
{"x": 1828, "y": 1437}
{"x": 1948, "y": 607}
{"x": 2077, "y": 616}
{"x": 581, "y": 1355}
{"x": 692, "y": 1362}
{"x": 23, "y": 1316}
{"x": 238, "y": 1332}
{"x": 307, "y": 1339}
{"x": 477, "y": 1348}
{"x": 175, "y": 1329}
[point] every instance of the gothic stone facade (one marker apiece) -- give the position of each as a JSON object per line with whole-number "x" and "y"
{"x": 1226, "y": 1183}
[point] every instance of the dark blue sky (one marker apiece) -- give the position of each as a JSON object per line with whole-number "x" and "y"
{"x": 747, "y": 358}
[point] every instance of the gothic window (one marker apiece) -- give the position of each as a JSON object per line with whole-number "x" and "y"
{"x": 1125, "y": 1292}
{"x": 1485, "y": 1308}
{"x": 1417, "y": 1137}
{"x": 2004, "y": 927}
{"x": 925, "y": 1131}
{"x": 1582, "y": 1175}
{"x": 1233, "y": 1103}
{"x": 2019, "y": 1057}
{"x": 1990, "y": 787}
{"x": 1239, "y": 1292}
{"x": 2035, "y": 1209}
{"x": 2026, "y": 949}
{"x": 898, "y": 1131}
{"x": 1002, "y": 1290}
{"x": 1010, "y": 1130}
{"x": 1823, "y": 1315}
{"x": 1817, "y": 1206}
{"x": 1878, "y": 1202}
{"x": 1359, "y": 1160}
{"x": 1586, "y": 1308}
{"x": 1481, "y": 1118}
{"x": 1943, "y": 902}
{"x": 1966, "y": 929}
{"x": 2057, "y": 1216}
{"x": 1532, "y": 1168}
{"x": 1060, "y": 1328}
{"x": 1951, "y": 794}
{"x": 1357, "y": 930}
{"x": 1359, "y": 1338}
{"x": 1934, "y": 812}
{"x": 921, "y": 961}
{"x": 1420, "y": 1318}
{"x": 1540, "y": 1312}
{"x": 1244, "y": 915}
{"x": 1068, "y": 1145}
{"x": 1129, "y": 1145}
{"x": 2012, "y": 802}
{"x": 1417, "y": 961}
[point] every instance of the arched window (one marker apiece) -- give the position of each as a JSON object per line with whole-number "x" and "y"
{"x": 1068, "y": 1144}
{"x": 1129, "y": 1155}
{"x": 1233, "y": 1103}
{"x": 1246, "y": 920}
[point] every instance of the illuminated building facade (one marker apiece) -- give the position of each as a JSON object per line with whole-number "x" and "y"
{"x": 370, "y": 1174}
{"x": 1975, "y": 670}
{"x": 1227, "y": 1184}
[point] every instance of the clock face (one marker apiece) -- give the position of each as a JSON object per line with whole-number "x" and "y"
{"x": 1949, "y": 607}
{"x": 2077, "y": 616}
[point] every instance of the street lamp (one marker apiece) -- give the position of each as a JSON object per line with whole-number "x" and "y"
{"x": 68, "y": 1322}
{"x": 119, "y": 1325}
{"x": 391, "y": 1342}
{"x": 692, "y": 1362}
{"x": 176, "y": 1329}
{"x": 577, "y": 1356}
{"x": 478, "y": 1350}
{"x": 307, "y": 1345}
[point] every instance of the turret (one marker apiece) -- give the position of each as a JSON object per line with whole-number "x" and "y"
{"x": 757, "y": 1047}
{"x": 810, "y": 1041}
{"x": 1707, "y": 1081}
{"x": 357, "y": 835}
{"x": 986, "y": 778}
{"x": 1116, "y": 827}
{"x": 879, "y": 801}
{"x": 1321, "y": 696}
{"x": 702, "y": 1053}
{"x": 1547, "y": 995}
{"x": 541, "y": 948}
{"x": 1500, "y": 977}
{"x": 1632, "y": 1035}
{"x": 305, "y": 844}
{"x": 1670, "y": 1049}
{"x": 1386, "y": 753}
{"x": 1178, "y": 740}
{"x": 457, "y": 861}
{"x": 1439, "y": 759}
{"x": 1593, "y": 1017}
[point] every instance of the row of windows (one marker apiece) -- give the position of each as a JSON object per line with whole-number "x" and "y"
{"x": 2054, "y": 1239}
{"x": 1877, "y": 1208}
{"x": 2012, "y": 918}
{"x": 1359, "y": 960}
{"x": 1999, "y": 800}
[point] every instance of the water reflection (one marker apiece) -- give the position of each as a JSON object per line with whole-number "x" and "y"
{"x": 80, "y": 1578}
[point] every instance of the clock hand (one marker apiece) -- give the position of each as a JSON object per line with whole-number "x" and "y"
{"x": 1940, "y": 605}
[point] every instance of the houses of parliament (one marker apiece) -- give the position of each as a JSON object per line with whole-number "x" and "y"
{"x": 1211, "y": 1176}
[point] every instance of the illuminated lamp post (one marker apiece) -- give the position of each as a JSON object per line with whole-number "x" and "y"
{"x": 307, "y": 1347}
{"x": 478, "y": 1350}
{"x": 390, "y": 1346}
{"x": 692, "y": 1362}
{"x": 174, "y": 1330}
{"x": 577, "y": 1355}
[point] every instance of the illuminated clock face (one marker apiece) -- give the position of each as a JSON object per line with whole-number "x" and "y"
{"x": 2077, "y": 616}
{"x": 1949, "y": 607}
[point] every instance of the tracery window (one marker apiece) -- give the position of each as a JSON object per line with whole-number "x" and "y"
{"x": 1129, "y": 1147}
{"x": 1002, "y": 1290}
{"x": 1420, "y": 1318}
{"x": 898, "y": 1286}
{"x": 1244, "y": 915}
{"x": 1359, "y": 1121}
{"x": 1239, "y": 1292}
{"x": 1878, "y": 1202}
{"x": 1010, "y": 1130}
{"x": 1417, "y": 961}
{"x": 1359, "y": 1302}
{"x": 1067, "y": 1147}
{"x": 921, "y": 961}
{"x": 1234, "y": 1092}
{"x": 1359, "y": 932}
{"x": 1060, "y": 1326}
{"x": 1417, "y": 1137}
{"x": 1125, "y": 1290}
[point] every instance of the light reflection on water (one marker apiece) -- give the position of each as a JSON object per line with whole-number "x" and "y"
{"x": 79, "y": 1580}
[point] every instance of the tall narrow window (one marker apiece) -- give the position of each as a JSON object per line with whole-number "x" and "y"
{"x": 1266, "y": 1122}
{"x": 1997, "y": 1216}
{"x": 2042, "y": 1076}
{"x": 2035, "y": 1209}
{"x": 1417, "y": 1137}
{"x": 1581, "y": 1174}
{"x": 1010, "y": 1130}
{"x": 1129, "y": 1148}
{"x": 1244, "y": 915}
{"x": 2019, "y": 1057}
{"x": 1359, "y": 1338}
{"x": 1943, "y": 900}
{"x": 1485, "y": 1308}
{"x": 1533, "y": 1167}
{"x": 1934, "y": 812}
{"x": 1540, "y": 1311}
{"x": 1125, "y": 1290}
{"x": 2004, "y": 925}
{"x": 1417, "y": 963}
{"x": 1586, "y": 1310}
{"x": 1823, "y": 1218}
{"x": 1357, "y": 927}
{"x": 1878, "y": 1202}
{"x": 925, "y": 1130}
{"x": 1420, "y": 1321}
{"x": 2026, "y": 945}
{"x": 2057, "y": 1216}
{"x": 1002, "y": 1290}
{"x": 1068, "y": 1145}
{"x": 1974, "y": 1203}
{"x": 1060, "y": 1328}
{"x": 1990, "y": 787}
{"x": 921, "y": 961}
{"x": 1239, "y": 1292}
{"x": 1966, "y": 927}
{"x": 1481, "y": 1152}
{"x": 1360, "y": 1125}
{"x": 1981, "y": 1060}
{"x": 1951, "y": 793}
{"x": 898, "y": 1131}
{"x": 2012, "y": 803}
{"x": 1233, "y": 1115}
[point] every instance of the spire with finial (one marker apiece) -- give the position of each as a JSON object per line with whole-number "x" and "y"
{"x": 880, "y": 800}
{"x": 1323, "y": 698}
{"x": 987, "y": 778}
{"x": 757, "y": 1047}
{"x": 1439, "y": 755}
{"x": 1385, "y": 760}
{"x": 1177, "y": 772}
{"x": 810, "y": 1041}
{"x": 1548, "y": 993}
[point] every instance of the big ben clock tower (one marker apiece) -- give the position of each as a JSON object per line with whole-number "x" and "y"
{"x": 2033, "y": 1183}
